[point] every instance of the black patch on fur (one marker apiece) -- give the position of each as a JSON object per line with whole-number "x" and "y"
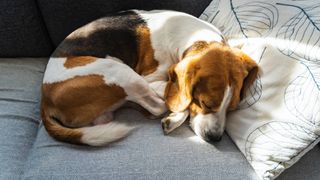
{"x": 114, "y": 35}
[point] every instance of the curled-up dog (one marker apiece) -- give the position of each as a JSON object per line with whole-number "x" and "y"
{"x": 157, "y": 60}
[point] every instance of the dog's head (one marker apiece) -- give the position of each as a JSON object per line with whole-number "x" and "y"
{"x": 211, "y": 79}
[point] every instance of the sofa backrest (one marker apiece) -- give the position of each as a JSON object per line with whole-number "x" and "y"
{"x": 22, "y": 31}
{"x": 35, "y": 27}
{"x": 64, "y": 16}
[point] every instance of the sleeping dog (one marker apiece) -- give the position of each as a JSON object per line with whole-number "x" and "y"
{"x": 158, "y": 60}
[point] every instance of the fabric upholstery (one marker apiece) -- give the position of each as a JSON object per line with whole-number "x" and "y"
{"x": 145, "y": 154}
{"x": 19, "y": 115}
{"x": 62, "y": 17}
{"x": 306, "y": 168}
{"x": 22, "y": 33}
{"x": 28, "y": 152}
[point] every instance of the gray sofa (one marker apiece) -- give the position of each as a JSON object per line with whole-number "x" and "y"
{"x": 32, "y": 29}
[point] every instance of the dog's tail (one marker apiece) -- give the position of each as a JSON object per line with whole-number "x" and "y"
{"x": 97, "y": 135}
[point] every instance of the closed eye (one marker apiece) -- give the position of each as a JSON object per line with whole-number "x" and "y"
{"x": 205, "y": 105}
{"x": 210, "y": 107}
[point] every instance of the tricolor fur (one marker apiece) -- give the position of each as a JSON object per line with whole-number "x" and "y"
{"x": 126, "y": 58}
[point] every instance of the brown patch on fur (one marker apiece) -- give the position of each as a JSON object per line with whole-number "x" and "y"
{"x": 146, "y": 63}
{"x": 195, "y": 108}
{"x": 60, "y": 132}
{"x": 206, "y": 77}
{"x": 178, "y": 92}
{"x": 196, "y": 48}
{"x": 76, "y": 61}
{"x": 75, "y": 103}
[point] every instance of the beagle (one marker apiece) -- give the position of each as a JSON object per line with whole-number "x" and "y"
{"x": 158, "y": 60}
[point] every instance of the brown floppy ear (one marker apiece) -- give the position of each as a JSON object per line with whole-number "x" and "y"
{"x": 245, "y": 74}
{"x": 252, "y": 70}
{"x": 178, "y": 93}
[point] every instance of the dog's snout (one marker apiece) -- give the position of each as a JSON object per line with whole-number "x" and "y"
{"x": 213, "y": 137}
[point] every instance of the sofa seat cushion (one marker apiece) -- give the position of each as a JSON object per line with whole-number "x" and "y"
{"x": 28, "y": 152}
{"x": 145, "y": 154}
{"x": 19, "y": 115}
{"x": 306, "y": 168}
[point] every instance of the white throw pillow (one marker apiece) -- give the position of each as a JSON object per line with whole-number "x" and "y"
{"x": 279, "y": 120}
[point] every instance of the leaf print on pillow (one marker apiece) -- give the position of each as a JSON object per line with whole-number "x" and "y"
{"x": 252, "y": 19}
{"x": 270, "y": 147}
{"x": 302, "y": 96}
{"x": 211, "y": 12}
{"x": 303, "y": 33}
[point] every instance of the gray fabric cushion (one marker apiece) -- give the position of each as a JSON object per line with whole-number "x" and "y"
{"x": 145, "y": 154}
{"x": 27, "y": 152}
{"x": 21, "y": 31}
{"x": 19, "y": 111}
{"x": 62, "y": 17}
{"x": 306, "y": 168}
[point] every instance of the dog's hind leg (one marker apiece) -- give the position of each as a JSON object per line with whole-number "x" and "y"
{"x": 148, "y": 99}
{"x": 141, "y": 93}
{"x": 159, "y": 87}
{"x": 136, "y": 87}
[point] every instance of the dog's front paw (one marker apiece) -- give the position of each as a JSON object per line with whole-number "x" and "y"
{"x": 165, "y": 124}
{"x": 173, "y": 121}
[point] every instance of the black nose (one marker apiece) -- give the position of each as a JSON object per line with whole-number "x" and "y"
{"x": 213, "y": 137}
